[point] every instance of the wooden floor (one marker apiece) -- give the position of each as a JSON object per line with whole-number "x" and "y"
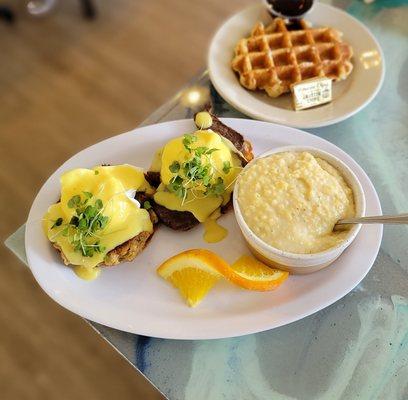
{"x": 66, "y": 83}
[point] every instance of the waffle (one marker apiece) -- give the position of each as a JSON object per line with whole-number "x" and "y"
{"x": 274, "y": 57}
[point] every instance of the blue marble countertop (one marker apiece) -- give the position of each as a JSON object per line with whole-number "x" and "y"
{"x": 358, "y": 347}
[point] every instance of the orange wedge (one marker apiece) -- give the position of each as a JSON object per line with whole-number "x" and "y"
{"x": 195, "y": 272}
{"x": 254, "y": 275}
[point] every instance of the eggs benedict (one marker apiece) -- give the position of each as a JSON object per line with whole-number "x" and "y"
{"x": 103, "y": 217}
{"x": 195, "y": 173}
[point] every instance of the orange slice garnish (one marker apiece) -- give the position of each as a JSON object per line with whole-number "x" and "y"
{"x": 254, "y": 275}
{"x": 195, "y": 272}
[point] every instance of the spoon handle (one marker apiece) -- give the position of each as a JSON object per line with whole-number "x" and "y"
{"x": 380, "y": 219}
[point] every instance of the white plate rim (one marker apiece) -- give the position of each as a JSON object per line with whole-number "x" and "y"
{"x": 204, "y": 336}
{"x": 254, "y": 113}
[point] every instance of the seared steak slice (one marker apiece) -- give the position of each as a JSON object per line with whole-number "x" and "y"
{"x": 153, "y": 178}
{"x": 233, "y": 136}
{"x": 228, "y": 207}
{"x": 177, "y": 220}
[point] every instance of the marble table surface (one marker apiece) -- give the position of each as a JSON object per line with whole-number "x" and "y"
{"x": 358, "y": 347}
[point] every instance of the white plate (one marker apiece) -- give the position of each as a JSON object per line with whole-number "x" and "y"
{"x": 131, "y": 297}
{"x": 349, "y": 96}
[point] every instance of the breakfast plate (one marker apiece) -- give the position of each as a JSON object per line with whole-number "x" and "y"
{"x": 349, "y": 96}
{"x": 131, "y": 297}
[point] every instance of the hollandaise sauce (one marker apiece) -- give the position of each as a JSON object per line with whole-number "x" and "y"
{"x": 198, "y": 172}
{"x": 213, "y": 232}
{"x": 87, "y": 274}
{"x": 96, "y": 213}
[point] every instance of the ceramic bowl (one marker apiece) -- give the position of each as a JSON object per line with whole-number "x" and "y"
{"x": 302, "y": 263}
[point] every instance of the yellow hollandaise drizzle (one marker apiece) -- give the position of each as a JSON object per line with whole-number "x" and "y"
{"x": 87, "y": 274}
{"x": 213, "y": 232}
{"x": 200, "y": 208}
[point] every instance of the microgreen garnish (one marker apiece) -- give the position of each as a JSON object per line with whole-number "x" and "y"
{"x": 176, "y": 186}
{"x": 99, "y": 204}
{"x": 226, "y": 167}
{"x": 57, "y": 222}
{"x": 188, "y": 139}
{"x": 174, "y": 167}
{"x": 74, "y": 201}
{"x": 217, "y": 188}
{"x": 147, "y": 205}
{"x": 83, "y": 227}
{"x": 198, "y": 171}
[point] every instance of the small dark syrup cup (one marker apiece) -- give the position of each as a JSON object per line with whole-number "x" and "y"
{"x": 289, "y": 9}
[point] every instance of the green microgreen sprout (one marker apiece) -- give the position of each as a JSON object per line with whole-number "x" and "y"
{"x": 147, "y": 205}
{"x": 175, "y": 167}
{"x": 198, "y": 171}
{"x": 83, "y": 227}
{"x": 57, "y": 222}
{"x": 74, "y": 201}
{"x": 188, "y": 139}
{"x": 226, "y": 167}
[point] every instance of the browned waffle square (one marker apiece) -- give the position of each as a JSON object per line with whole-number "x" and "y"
{"x": 273, "y": 58}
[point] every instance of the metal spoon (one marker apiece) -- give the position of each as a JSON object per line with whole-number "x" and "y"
{"x": 380, "y": 219}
